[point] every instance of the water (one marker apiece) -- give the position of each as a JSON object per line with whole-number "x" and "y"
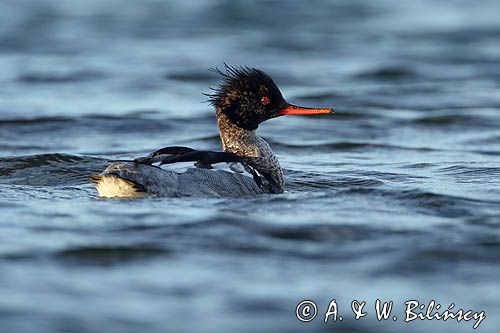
{"x": 395, "y": 197}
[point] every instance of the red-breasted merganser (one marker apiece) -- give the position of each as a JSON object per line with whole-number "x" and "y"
{"x": 246, "y": 97}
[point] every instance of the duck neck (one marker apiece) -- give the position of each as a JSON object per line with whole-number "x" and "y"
{"x": 255, "y": 150}
{"x": 235, "y": 139}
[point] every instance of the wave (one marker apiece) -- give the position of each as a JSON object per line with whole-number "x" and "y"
{"x": 389, "y": 73}
{"x": 424, "y": 202}
{"x": 192, "y": 76}
{"x": 48, "y": 169}
{"x": 345, "y": 145}
{"x": 54, "y": 77}
{"x": 457, "y": 120}
{"x": 474, "y": 175}
{"x": 131, "y": 115}
{"x": 309, "y": 181}
{"x": 109, "y": 254}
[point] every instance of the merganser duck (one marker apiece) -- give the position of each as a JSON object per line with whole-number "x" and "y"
{"x": 246, "y": 97}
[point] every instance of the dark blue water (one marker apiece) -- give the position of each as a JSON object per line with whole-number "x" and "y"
{"x": 395, "y": 197}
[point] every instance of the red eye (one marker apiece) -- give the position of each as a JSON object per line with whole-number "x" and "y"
{"x": 265, "y": 101}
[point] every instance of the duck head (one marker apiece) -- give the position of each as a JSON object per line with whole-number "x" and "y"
{"x": 248, "y": 96}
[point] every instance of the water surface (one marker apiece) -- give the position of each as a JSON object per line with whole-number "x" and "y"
{"x": 396, "y": 196}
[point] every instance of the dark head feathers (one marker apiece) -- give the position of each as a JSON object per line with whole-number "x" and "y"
{"x": 247, "y": 96}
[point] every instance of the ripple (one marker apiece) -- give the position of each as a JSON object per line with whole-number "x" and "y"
{"x": 48, "y": 120}
{"x": 492, "y": 221}
{"x": 249, "y": 236}
{"x": 475, "y": 175}
{"x": 470, "y": 171}
{"x": 460, "y": 119}
{"x": 424, "y": 202}
{"x": 198, "y": 76}
{"x": 57, "y": 78}
{"x": 36, "y": 120}
{"x": 419, "y": 166}
{"x": 389, "y": 73}
{"x": 320, "y": 96}
{"x": 346, "y": 145}
{"x": 314, "y": 181}
{"x": 323, "y": 233}
{"x": 109, "y": 255}
{"x": 48, "y": 169}
{"x": 435, "y": 260}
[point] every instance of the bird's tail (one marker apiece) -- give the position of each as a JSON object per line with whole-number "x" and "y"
{"x": 113, "y": 186}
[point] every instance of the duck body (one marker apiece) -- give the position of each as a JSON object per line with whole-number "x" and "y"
{"x": 135, "y": 180}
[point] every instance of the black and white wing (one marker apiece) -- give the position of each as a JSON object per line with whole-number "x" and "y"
{"x": 204, "y": 159}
